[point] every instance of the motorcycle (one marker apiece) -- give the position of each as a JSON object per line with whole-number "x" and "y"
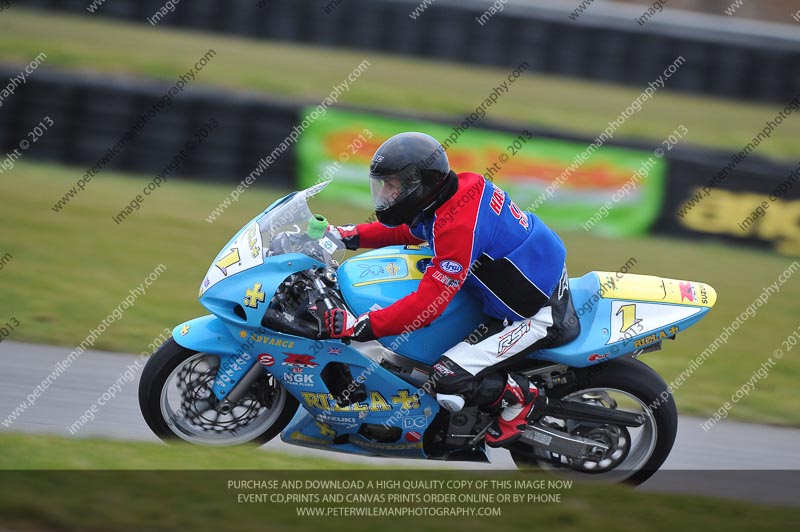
{"x": 241, "y": 374}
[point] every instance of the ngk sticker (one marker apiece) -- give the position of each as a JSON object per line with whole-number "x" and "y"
{"x": 298, "y": 379}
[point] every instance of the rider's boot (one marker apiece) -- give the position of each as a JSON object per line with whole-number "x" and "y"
{"x": 517, "y": 402}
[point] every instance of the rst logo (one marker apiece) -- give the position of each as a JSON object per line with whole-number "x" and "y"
{"x": 509, "y": 340}
{"x": 298, "y": 379}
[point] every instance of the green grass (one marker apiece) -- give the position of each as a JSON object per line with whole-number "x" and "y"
{"x": 391, "y": 82}
{"x": 158, "y": 500}
{"x": 69, "y": 270}
{"x": 28, "y": 452}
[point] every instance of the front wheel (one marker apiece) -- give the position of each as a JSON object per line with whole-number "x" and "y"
{"x": 176, "y": 401}
{"x": 634, "y": 453}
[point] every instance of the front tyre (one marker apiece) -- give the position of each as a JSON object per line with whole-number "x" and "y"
{"x": 635, "y": 452}
{"x": 176, "y": 401}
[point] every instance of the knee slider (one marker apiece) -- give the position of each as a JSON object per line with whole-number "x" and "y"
{"x": 453, "y": 403}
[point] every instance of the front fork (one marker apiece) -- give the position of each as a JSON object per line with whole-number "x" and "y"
{"x": 241, "y": 387}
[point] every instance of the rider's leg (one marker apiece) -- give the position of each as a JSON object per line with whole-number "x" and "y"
{"x": 464, "y": 374}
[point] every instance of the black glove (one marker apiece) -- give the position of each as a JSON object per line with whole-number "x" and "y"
{"x": 341, "y": 324}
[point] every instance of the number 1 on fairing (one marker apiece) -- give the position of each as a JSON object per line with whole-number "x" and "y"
{"x": 628, "y": 317}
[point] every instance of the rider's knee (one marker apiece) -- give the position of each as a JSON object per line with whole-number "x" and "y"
{"x": 449, "y": 377}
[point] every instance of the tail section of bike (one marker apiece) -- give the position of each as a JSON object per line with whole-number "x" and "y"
{"x": 626, "y": 313}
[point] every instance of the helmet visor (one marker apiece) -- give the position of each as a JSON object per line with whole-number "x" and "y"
{"x": 390, "y": 190}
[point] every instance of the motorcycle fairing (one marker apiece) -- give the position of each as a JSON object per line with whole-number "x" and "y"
{"x": 650, "y": 312}
{"x": 238, "y": 248}
{"x": 637, "y": 287}
{"x": 287, "y": 358}
{"x": 336, "y": 428}
{"x": 389, "y": 400}
{"x": 206, "y": 334}
{"x": 239, "y": 302}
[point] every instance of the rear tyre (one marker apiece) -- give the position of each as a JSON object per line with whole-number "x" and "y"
{"x": 636, "y": 453}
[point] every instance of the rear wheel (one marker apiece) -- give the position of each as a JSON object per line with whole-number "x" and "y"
{"x": 634, "y": 453}
{"x": 176, "y": 401}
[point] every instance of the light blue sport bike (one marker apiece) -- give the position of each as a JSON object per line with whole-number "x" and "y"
{"x": 261, "y": 365}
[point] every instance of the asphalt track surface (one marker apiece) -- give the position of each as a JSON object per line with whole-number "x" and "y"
{"x": 758, "y": 463}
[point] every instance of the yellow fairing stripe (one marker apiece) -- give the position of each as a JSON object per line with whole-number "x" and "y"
{"x": 635, "y": 287}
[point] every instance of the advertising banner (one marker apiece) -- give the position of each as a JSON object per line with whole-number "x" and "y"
{"x": 601, "y": 194}
{"x": 758, "y": 203}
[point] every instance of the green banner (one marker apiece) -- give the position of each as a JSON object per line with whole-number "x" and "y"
{"x": 615, "y": 191}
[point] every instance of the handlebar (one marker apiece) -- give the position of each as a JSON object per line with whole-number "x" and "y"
{"x": 275, "y": 320}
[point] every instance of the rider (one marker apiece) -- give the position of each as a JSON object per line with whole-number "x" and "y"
{"x": 482, "y": 241}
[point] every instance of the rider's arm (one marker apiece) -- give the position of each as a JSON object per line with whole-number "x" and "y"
{"x": 453, "y": 244}
{"x": 377, "y": 235}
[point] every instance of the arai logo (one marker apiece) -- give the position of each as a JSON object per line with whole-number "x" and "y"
{"x": 451, "y": 266}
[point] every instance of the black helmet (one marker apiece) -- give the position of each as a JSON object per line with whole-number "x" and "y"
{"x": 407, "y": 174}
